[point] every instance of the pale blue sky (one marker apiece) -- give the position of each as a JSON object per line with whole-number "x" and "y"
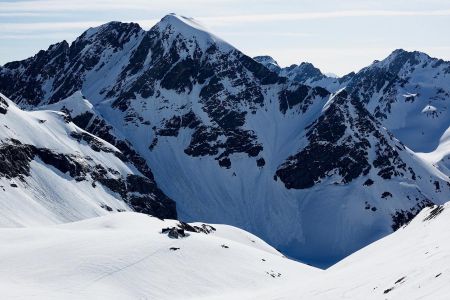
{"x": 336, "y": 35}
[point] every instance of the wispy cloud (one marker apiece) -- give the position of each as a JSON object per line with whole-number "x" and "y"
{"x": 99, "y": 5}
{"x": 271, "y": 34}
{"x": 47, "y": 36}
{"x": 46, "y": 26}
{"x": 254, "y": 18}
{"x": 21, "y": 14}
{"x": 223, "y": 20}
{"x": 80, "y": 5}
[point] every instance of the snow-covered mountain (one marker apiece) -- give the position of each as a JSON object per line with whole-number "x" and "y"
{"x": 409, "y": 92}
{"x": 51, "y": 171}
{"x": 305, "y": 73}
{"x": 231, "y": 141}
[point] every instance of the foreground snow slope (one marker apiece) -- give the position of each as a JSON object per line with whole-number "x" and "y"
{"x": 412, "y": 263}
{"x": 125, "y": 256}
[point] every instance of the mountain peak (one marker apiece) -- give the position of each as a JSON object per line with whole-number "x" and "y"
{"x": 266, "y": 59}
{"x": 401, "y": 53}
{"x": 400, "y": 57}
{"x": 180, "y": 21}
{"x": 310, "y": 67}
{"x": 304, "y": 72}
{"x": 190, "y": 29}
{"x": 112, "y": 26}
{"x": 268, "y": 62}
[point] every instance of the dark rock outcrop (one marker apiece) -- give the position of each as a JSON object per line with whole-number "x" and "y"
{"x": 339, "y": 142}
{"x": 140, "y": 193}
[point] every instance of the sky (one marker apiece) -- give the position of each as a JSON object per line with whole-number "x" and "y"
{"x": 338, "y": 36}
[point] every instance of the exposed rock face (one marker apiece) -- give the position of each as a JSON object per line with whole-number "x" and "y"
{"x": 339, "y": 142}
{"x": 303, "y": 73}
{"x": 3, "y": 106}
{"x": 139, "y": 192}
{"x": 268, "y": 62}
{"x": 403, "y": 217}
{"x": 331, "y": 149}
{"x": 182, "y": 229}
{"x": 15, "y": 159}
{"x": 203, "y": 228}
{"x": 300, "y": 96}
{"x": 66, "y": 67}
{"x": 24, "y": 79}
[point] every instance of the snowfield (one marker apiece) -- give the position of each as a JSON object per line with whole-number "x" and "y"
{"x": 125, "y": 256}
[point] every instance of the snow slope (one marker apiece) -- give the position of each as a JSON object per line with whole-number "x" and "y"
{"x": 125, "y": 256}
{"x": 440, "y": 157}
{"x": 412, "y": 263}
{"x": 51, "y": 171}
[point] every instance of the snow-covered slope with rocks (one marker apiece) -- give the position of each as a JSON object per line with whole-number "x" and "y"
{"x": 231, "y": 141}
{"x": 408, "y": 92}
{"x": 348, "y": 163}
{"x": 51, "y": 171}
{"x": 126, "y": 256}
